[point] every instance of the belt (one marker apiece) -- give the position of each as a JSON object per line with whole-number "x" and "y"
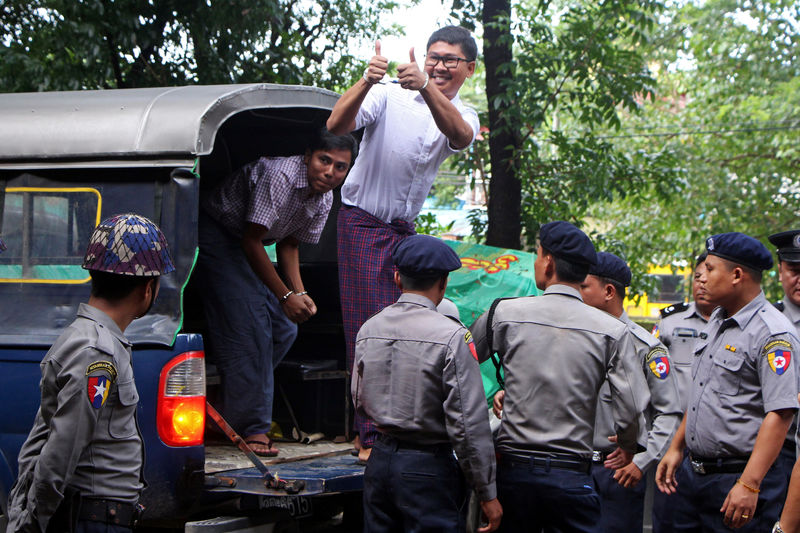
{"x": 110, "y": 511}
{"x": 599, "y": 457}
{"x": 719, "y": 465}
{"x": 563, "y": 461}
{"x": 399, "y": 444}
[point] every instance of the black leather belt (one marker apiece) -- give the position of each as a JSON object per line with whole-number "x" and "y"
{"x": 563, "y": 461}
{"x": 110, "y": 511}
{"x": 399, "y": 444}
{"x": 719, "y": 465}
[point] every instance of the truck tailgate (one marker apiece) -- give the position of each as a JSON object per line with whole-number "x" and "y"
{"x": 326, "y": 467}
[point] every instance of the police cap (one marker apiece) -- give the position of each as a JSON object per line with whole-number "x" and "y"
{"x": 788, "y": 245}
{"x": 740, "y": 248}
{"x": 423, "y": 256}
{"x": 611, "y": 267}
{"x": 564, "y": 240}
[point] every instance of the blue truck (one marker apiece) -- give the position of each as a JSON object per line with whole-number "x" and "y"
{"x": 71, "y": 159}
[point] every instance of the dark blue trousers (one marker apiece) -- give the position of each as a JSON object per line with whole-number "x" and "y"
{"x": 248, "y": 332}
{"x": 702, "y": 495}
{"x": 551, "y": 499}
{"x": 621, "y": 509}
{"x": 413, "y": 490}
{"x": 664, "y": 511}
{"x": 84, "y": 526}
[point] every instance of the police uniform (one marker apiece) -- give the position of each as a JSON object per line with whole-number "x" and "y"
{"x": 556, "y": 352}
{"x": 743, "y": 368}
{"x": 788, "y": 245}
{"x": 80, "y": 468}
{"x": 679, "y": 329}
{"x": 622, "y": 509}
{"x": 417, "y": 377}
{"x": 85, "y": 437}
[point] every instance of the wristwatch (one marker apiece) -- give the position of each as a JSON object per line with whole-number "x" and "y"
{"x": 777, "y": 527}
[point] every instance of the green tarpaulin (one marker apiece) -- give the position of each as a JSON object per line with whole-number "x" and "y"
{"x": 488, "y": 273}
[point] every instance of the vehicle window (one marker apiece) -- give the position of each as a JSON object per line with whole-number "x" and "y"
{"x": 46, "y": 231}
{"x": 669, "y": 288}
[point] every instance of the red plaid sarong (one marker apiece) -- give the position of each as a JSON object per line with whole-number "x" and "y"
{"x": 366, "y": 280}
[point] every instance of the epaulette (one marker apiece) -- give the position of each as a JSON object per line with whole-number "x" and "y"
{"x": 674, "y": 308}
{"x": 454, "y": 319}
{"x": 779, "y": 305}
{"x": 642, "y": 334}
{"x": 104, "y": 342}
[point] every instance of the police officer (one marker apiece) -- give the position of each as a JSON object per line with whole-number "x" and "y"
{"x": 788, "y": 244}
{"x": 743, "y": 398}
{"x": 80, "y": 468}
{"x": 679, "y": 330}
{"x": 556, "y": 351}
{"x": 616, "y": 473}
{"x": 416, "y": 376}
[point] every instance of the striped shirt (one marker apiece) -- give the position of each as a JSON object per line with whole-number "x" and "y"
{"x": 272, "y": 192}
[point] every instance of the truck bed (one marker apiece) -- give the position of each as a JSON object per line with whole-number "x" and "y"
{"x": 325, "y": 466}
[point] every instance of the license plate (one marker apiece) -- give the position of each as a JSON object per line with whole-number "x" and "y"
{"x": 297, "y": 506}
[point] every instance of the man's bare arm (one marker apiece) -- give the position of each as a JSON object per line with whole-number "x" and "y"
{"x": 343, "y": 115}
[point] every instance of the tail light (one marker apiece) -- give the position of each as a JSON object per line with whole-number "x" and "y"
{"x": 182, "y": 400}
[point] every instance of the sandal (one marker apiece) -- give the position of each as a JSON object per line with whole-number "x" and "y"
{"x": 268, "y": 452}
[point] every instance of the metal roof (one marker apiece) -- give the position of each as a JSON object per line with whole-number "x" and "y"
{"x": 164, "y": 122}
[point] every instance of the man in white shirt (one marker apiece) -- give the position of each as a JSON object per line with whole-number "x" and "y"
{"x": 410, "y": 128}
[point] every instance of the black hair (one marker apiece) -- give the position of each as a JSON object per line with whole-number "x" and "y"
{"x": 755, "y": 274}
{"x": 619, "y": 287}
{"x": 419, "y": 284}
{"x": 568, "y": 271}
{"x": 115, "y": 287}
{"x": 700, "y": 259}
{"x": 325, "y": 140}
{"x": 456, "y": 35}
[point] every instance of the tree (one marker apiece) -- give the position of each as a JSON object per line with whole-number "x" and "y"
{"x": 557, "y": 81}
{"x": 89, "y": 44}
{"x": 730, "y": 110}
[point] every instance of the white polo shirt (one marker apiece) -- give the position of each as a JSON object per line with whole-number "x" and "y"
{"x": 400, "y": 154}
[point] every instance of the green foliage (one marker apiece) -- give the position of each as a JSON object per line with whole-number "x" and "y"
{"x": 478, "y": 223}
{"x": 578, "y": 71}
{"x": 427, "y": 224}
{"x": 729, "y": 109}
{"x": 87, "y": 44}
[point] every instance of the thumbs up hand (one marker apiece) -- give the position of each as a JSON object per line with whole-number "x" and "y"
{"x": 410, "y": 76}
{"x": 376, "y": 69}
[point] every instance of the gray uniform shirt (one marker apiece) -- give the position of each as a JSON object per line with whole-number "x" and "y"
{"x": 744, "y": 369}
{"x": 84, "y": 434}
{"x": 662, "y": 416}
{"x": 792, "y": 312}
{"x": 556, "y": 353}
{"x": 679, "y": 332}
{"x": 416, "y": 375}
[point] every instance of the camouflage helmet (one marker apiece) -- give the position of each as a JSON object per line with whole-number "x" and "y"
{"x": 128, "y": 244}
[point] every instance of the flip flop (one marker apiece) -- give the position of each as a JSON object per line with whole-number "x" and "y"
{"x": 269, "y": 452}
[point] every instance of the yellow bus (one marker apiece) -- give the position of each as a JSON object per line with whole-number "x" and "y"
{"x": 671, "y": 286}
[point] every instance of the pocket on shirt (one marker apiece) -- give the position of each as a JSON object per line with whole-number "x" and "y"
{"x": 726, "y": 377}
{"x": 121, "y": 423}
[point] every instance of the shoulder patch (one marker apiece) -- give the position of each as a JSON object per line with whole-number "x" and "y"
{"x": 658, "y": 362}
{"x": 674, "y": 308}
{"x": 470, "y": 344}
{"x": 656, "y": 331}
{"x": 100, "y": 376}
{"x": 779, "y": 355}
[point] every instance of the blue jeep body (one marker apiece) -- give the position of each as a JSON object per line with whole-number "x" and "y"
{"x": 71, "y": 159}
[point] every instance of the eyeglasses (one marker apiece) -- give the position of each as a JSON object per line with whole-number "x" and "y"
{"x": 447, "y": 61}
